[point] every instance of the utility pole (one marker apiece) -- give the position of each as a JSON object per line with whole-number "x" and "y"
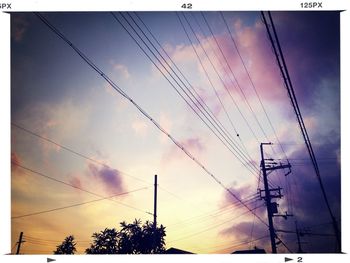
{"x": 271, "y": 30}
{"x": 20, "y": 241}
{"x": 271, "y": 193}
{"x": 298, "y": 237}
{"x": 155, "y": 203}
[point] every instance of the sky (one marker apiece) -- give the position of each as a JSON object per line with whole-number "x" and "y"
{"x": 75, "y": 139}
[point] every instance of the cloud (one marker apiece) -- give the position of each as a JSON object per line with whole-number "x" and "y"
{"x": 241, "y": 192}
{"x": 120, "y": 69}
{"x": 308, "y": 205}
{"x": 252, "y": 49}
{"x": 15, "y": 160}
{"x": 19, "y": 26}
{"x": 166, "y": 123}
{"x": 243, "y": 230}
{"x": 111, "y": 179}
{"x": 60, "y": 121}
{"x": 193, "y": 145}
{"x": 76, "y": 182}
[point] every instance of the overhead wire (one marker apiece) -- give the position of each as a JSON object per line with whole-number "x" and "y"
{"x": 307, "y": 233}
{"x": 168, "y": 65}
{"x": 212, "y": 64}
{"x": 234, "y": 149}
{"x": 235, "y": 82}
{"x": 214, "y": 68}
{"x": 13, "y": 247}
{"x": 50, "y": 240}
{"x": 239, "y": 244}
{"x": 252, "y": 84}
{"x": 217, "y": 58}
{"x": 84, "y": 156}
{"x": 289, "y": 86}
{"x": 253, "y": 223}
{"x": 121, "y": 92}
{"x": 78, "y": 204}
{"x": 208, "y": 228}
{"x": 214, "y": 89}
{"x": 201, "y": 101}
{"x": 76, "y": 187}
{"x": 214, "y": 213}
{"x": 264, "y": 110}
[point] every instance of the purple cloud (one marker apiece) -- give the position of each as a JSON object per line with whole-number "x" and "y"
{"x": 110, "y": 178}
{"x": 20, "y": 26}
{"x": 241, "y": 192}
{"x": 309, "y": 209}
{"x": 193, "y": 145}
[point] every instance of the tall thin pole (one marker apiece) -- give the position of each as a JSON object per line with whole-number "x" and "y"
{"x": 268, "y": 201}
{"x": 20, "y": 241}
{"x": 285, "y": 74}
{"x": 155, "y": 202}
{"x": 298, "y": 237}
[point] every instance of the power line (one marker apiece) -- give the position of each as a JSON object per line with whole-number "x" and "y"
{"x": 210, "y": 228}
{"x": 241, "y": 243}
{"x": 212, "y": 64}
{"x": 205, "y": 71}
{"x": 234, "y": 77}
{"x": 236, "y": 83}
{"x": 50, "y": 240}
{"x": 216, "y": 93}
{"x": 207, "y": 75}
{"x": 75, "y": 152}
{"x": 214, "y": 213}
{"x": 201, "y": 101}
{"x": 252, "y": 84}
{"x": 237, "y": 152}
{"x": 121, "y": 92}
{"x": 200, "y": 28}
{"x": 254, "y": 88}
{"x": 69, "y": 149}
{"x": 284, "y": 244}
{"x": 253, "y": 223}
{"x": 13, "y": 247}
{"x": 76, "y": 187}
{"x": 307, "y": 233}
{"x": 78, "y": 204}
{"x": 289, "y": 86}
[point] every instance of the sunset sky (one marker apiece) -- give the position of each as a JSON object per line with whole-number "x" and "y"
{"x": 56, "y": 95}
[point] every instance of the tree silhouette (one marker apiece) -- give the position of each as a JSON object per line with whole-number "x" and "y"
{"x": 133, "y": 238}
{"x": 104, "y": 242}
{"x": 141, "y": 239}
{"x": 67, "y": 246}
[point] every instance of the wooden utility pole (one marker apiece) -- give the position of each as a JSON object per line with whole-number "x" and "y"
{"x": 155, "y": 203}
{"x": 268, "y": 201}
{"x": 20, "y": 241}
{"x": 271, "y": 206}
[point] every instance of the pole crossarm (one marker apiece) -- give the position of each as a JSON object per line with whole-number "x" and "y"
{"x": 282, "y": 166}
{"x": 276, "y": 46}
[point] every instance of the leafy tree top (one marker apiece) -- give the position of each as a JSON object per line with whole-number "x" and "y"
{"x": 134, "y": 238}
{"x": 66, "y": 247}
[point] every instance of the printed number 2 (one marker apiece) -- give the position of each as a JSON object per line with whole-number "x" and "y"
{"x": 300, "y": 259}
{"x": 187, "y": 6}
